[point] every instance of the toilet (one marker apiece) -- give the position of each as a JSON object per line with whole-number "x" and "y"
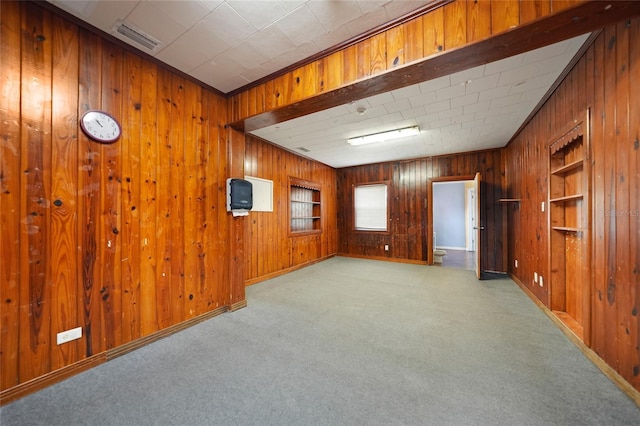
{"x": 437, "y": 254}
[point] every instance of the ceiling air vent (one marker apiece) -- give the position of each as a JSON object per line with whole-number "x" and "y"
{"x": 303, "y": 149}
{"x": 127, "y": 31}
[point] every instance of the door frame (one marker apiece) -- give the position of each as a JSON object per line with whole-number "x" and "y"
{"x": 429, "y": 230}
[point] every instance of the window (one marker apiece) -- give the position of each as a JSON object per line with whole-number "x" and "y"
{"x": 370, "y": 202}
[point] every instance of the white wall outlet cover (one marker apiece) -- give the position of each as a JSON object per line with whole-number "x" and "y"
{"x": 69, "y": 335}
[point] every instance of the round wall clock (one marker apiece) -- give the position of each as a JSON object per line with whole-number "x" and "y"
{"x": 100, "y": 126}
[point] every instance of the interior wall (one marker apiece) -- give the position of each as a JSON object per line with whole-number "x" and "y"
{"x": 124, "y": 240}
{"x": 409, "y": 238}
{"x": 449, "y": 214}
{"x": 270, "y": 249}
{"x": 603, "y": 81}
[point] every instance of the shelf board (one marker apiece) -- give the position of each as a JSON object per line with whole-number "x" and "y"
{"x": 568, "y": 167}
{"x": 509, "y": 200}
{"x": 305, "y": 202}
{"x": 566, "y": 198}
{"x": 566, "y": 229}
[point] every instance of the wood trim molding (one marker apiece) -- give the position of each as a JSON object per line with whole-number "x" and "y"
{"x": 385, "y": 259}
{"x": 285, "y": 271}
{"x": 51, "y": 378}
{"x": 611, "y": 374}
{"x": 143, "y": 341}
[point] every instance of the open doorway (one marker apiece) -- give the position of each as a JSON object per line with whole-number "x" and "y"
{"x": 454, "y": 224}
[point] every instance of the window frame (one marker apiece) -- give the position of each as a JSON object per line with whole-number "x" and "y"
{"x": 385, "y": 183}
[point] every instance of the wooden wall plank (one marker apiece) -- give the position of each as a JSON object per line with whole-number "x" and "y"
{"x": 11, "y": 192}
{"x": 634, "y": 203}
{"x": 176, "y": 151}
{"x": 130, "y": 163}
{"x": 455, "y": 24}
{"x": 149, "y": 147}
{"x": 88, "y": 204}
{"x": 478, "y": 20}
{"x": 505, "y": 14}
{"x": 434, "y": 36}
{"x": 35, "y": 291}
{"x": 624, "y": 294}
{"x": 110, "y": 203}
{"x": 64, "y": 174}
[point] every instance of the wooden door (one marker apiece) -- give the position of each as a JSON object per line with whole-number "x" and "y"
{"x": 478, "y": 227}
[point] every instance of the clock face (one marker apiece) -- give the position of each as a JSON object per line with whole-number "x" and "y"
{"x": 100, "y": 126}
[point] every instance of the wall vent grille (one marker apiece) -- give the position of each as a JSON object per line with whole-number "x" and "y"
{"x": 132, "y": 33}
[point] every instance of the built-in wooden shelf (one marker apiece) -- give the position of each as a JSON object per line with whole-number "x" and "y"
{"x": 509, "y": 200}
{"x": 568, "y": 167}
{"x": 305, "y": 207}
{"x": 566, "y": 198}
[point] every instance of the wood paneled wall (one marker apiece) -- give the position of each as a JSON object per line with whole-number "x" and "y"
{"x": 409, "y": 239}
{"x": 417, "y": 50}
{"x": 270, "y": 249}
{"x": 603, "y": 81}
{"x": 124, "y": 240}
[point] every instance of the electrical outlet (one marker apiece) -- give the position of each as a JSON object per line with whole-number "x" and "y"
{"x": 69, "y": 335}
{"x": 541, "y": 283}
{"x": 516, "y": 263}
{"x": 535, "y": 277}
{"x": 386, "y": 247}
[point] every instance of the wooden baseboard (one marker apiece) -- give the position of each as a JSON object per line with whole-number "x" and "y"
{"x": 143, "y": 341}
{"x": 239, "y": 305}
{"x": 284, "y": 271}
{"x": 39, "y": 383}
{"x": 56, "y": 376}
{"x": 606, "y": 369}
{"x": 386, "y": 259}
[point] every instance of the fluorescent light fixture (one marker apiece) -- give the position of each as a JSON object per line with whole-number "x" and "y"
{"x": 384, "y": 136}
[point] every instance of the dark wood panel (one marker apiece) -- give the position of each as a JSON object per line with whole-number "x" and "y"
{"x": 601, "y": 80}
{"x": 270, "y": 246}
{"x": 409, "y": 239}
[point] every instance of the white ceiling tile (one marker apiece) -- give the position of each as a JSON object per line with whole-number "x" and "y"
{"x": 413, "y": 113}
{"x": 435, "y": 84}
{"x": 367, "y": 6}
{"x": 271, "y": 41}
{"x": 258, "y": 13}
{"x": 450, "y": 92}
{"x": 291, "y": 5}
{"x": 186, "y": 13}
{"x": 228, "y": 25}
{"x": 300, "y": 26}
{"x": 498, "y": 92}
{"x": 152, "y": 20}
{"x": 332, "y": 38}
{"x": 438, "y": 106}
{"x": 483, "y": 83}
{"x": 332, "y": 14}
{"x": 246, "y": 55}
{"x": 516, "y": 75}
{"x": 77, "y": 6}
{"x": 397, "y": 9}
{"x": 371, "y": 19}
{"x": 104, "y": 15}
{"x": 400, "y": 105}
{"x": 461, "y": 101}
{"x": 503, "y": 65}
{"x": 210, "y": 4}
